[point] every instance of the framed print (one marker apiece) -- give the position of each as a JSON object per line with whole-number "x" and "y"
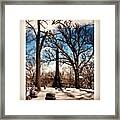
{"x": 59, "y": 77}
{"x": 59, "y": 59}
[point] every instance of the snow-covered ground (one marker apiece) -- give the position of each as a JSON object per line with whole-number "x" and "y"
{"x": 66, "y": 94}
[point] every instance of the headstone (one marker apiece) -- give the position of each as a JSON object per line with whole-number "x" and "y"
{"x": 50, "y": 96}
{"x": 28, "y": 98}
{"x": 55, "y": 88}
{"x": 33, "y": 93}
{"x": 59, "y": 89}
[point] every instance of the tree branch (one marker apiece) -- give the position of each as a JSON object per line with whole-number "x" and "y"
{"x": 31, "y": 27}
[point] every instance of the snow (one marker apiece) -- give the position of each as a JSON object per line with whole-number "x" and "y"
{"x": 66, "y": 94}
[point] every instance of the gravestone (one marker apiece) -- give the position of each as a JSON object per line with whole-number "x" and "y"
{"x": 50, "y": 96}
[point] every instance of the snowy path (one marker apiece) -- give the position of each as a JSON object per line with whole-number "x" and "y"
{"x": 67, "y": 94}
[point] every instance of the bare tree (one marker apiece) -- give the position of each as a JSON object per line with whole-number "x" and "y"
{"x": 39, "y": 38}
{"x": 75, "y": 42}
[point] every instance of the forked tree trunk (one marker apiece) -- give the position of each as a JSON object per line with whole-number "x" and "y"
{"x": 37, "y": 82}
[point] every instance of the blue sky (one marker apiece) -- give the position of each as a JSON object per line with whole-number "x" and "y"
{"x": 30, "y": 46}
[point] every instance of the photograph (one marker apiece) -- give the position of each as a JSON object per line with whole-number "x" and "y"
{"x": 59, "y": 59}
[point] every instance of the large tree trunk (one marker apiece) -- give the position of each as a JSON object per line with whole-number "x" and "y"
{"x": 38, "y": 83}
{"x": 56, "y": 82}
{"x": 77, "y": 85}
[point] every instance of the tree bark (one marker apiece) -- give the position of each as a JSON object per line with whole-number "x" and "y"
{"x": 56, "y": 82}
{"x": 38, "y": 83}
{"x": 77, "y": 85}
